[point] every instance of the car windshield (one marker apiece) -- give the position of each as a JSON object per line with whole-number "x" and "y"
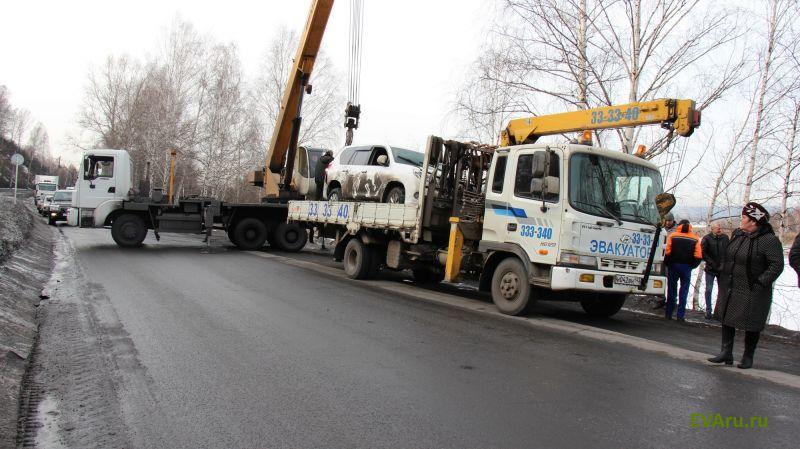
{"x": 63, "y": 196}
{"x": 408, "y": 157}
{"x": 613, "y": 188}
{"x": 47, "y": 187}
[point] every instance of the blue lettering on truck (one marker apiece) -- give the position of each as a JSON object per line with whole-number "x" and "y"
{"x": 630, "y": 245}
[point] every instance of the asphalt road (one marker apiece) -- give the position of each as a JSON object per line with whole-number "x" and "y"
{"x": 194, "y": 346}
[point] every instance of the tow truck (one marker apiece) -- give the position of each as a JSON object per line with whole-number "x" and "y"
{"x": 104, "y": 194}
{"x": 527, "y": 220}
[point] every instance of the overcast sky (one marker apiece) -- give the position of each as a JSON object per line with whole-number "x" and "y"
{"x": 414, "y": 53}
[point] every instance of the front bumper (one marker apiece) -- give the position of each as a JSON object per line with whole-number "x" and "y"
{"x": 57, "y": 215}
{"x": 569, "y": 278}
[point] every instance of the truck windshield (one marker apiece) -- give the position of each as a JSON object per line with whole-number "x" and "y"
{"x": 47, "y": 187}
{"x": 63, "y": 196}
{"x": 613, "y": 188}
{"x": 408, "y": 157}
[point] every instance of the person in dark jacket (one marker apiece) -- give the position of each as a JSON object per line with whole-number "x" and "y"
{"x": 668, "y": 228}
{"x": 319, "y": 173}
{"x": 794, "y": 257}
{"x": 714, "y": 246}
{"x": 683, "y": 255}
{"x": 753, "y": 262}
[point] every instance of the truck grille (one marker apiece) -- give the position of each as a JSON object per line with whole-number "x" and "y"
{"x": 620, "y": 265}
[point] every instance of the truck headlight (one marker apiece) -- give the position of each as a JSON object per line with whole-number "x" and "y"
{"x": 418, "y": 173}
{"x": 577, "y": 259}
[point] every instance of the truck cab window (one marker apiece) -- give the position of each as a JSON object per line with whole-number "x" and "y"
{"x": 524, "y": 176}
{"x": 98, "y": 167}
{"x": 499, "y": 174}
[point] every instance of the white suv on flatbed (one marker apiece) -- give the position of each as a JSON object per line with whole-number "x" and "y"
{"x": 374, "y": 173}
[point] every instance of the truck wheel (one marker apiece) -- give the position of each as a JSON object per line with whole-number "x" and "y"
{"x": 357, "y": 260}
{"x": 335, "y": 194}
{"x": 397, "y": 195}
{"x": 603, "y": 304}
{"x": 289, "y": 237}
{"x": 250, "y": 234}
{"x": 129, "y": 231}
{"x": 511, "y": 291}
{"x": 424, "y": 275}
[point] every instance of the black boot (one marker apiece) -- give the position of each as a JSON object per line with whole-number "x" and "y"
{"x": 750, "y": 343}
{"x": 726, "y": 354}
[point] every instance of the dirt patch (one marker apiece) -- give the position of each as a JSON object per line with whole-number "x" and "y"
{"x": 25, "y": 266}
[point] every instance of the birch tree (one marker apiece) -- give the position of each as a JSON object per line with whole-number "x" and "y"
{"x": 563, "y": 54}
{"x": 322, "y": 110}
{"x": 772, "y": 60}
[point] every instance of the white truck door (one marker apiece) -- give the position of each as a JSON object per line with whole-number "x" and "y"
{"x": 497, "y": 218}
{"x": 535, "y": 202}
{"x": 98, "y": 183}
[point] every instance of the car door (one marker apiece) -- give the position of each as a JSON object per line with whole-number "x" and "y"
{"x": 376, "y": 176}
{"x": 357, "y": 174}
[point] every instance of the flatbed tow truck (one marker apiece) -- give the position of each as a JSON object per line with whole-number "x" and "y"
{"x": 528, "y": 221}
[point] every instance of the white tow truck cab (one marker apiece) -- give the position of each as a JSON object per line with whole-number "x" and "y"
{"x": 528, "y": 222}
{"x": 103, "y": 184}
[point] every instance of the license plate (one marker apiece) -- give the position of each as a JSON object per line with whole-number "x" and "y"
{"x": 623, "y": 279}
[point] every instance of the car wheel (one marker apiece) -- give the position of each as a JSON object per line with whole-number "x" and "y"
{"x": 335, "y": 194}
{"x": 396, "y": 195}
{"x": 129, "y": 231}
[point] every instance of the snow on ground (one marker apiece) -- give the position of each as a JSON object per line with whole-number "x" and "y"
{"x": 785, "y": 310}
{"x": 15, "y": 222}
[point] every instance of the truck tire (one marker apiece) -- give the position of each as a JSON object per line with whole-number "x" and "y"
{"x": 250, "y": 234}
{"x": 129, "y": 230}
{"x": 396, "y": 195}
{"x": 335, "y": 194}
{"x": 425, "y": 275}
{"x": 603, "y": 304}
{"x": 289, "y": 237}
{"x": 357, "y": 259}
{"x": 511, "y": 292}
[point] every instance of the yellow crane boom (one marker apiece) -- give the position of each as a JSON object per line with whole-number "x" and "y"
{"x": 282, "y": 148}
{"x": 679, "y": 116}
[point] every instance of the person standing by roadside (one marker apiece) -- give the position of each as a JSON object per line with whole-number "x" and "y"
{"x": 753, "y": 262}
{"x": 794, "y": 257}
{"x": 668, "y": 228}
{"x": 319, "y": 173}
{"x": 669, "y": 223}
{"x": 683, "y": 255}
{"x": 714, "y": 246}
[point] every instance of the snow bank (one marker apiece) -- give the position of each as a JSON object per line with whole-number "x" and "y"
{"x": 15, "y": 222}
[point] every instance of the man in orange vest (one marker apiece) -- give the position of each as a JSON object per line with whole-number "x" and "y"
{"x": 683, "y": 255}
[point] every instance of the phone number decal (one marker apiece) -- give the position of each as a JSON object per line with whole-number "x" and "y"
{"x": 536, "y": 232}
{"x": 615, "y": 115}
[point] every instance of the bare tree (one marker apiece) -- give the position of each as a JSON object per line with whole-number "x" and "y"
{"x": 578, "y": 53}
{"x": 791, "y": 162}
{"x": 772, "y": 61}
{"x": 5, "y": 111}
{"x": 20, "y": 122}
{"x": 322, "y": 110}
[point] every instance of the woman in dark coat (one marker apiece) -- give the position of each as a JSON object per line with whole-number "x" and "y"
{"x": 753, "y": 262}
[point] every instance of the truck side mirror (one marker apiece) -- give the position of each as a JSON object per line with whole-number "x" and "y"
{"x": 664, "y": 203}
{"x": 540, "y": 163}
{"x": 382, "y": 160}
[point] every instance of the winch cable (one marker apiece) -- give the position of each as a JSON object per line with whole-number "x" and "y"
{"x": 353, "y": 109}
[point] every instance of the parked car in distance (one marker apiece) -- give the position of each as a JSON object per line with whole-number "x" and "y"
{"x": 374, "y": 173}
{"x": 58, "y": 206}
